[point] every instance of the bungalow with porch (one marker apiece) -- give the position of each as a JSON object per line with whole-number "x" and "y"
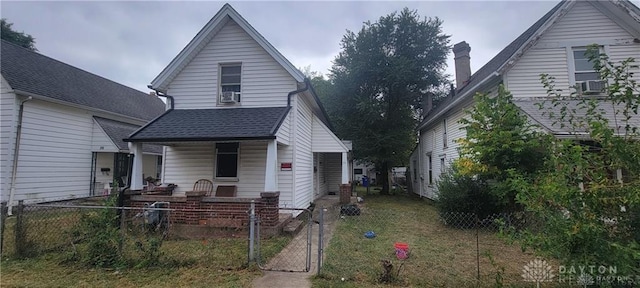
{"x": 244, "y": 118}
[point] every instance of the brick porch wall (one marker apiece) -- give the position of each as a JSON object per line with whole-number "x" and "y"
{"x": 195, "y": 209}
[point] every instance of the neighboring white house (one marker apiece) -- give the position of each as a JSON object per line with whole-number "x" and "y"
{"x": 555, "y": 44}
{"x": 70, "y": 124}
{"x": 241, "y": 114}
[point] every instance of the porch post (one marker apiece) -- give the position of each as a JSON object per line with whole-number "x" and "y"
{"x": 136, "y": 169}
{"x": 271, "y": 168}
{"x": 345, "y": 169}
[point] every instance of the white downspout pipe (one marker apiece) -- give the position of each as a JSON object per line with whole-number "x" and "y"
{"x": 16, "y": 153}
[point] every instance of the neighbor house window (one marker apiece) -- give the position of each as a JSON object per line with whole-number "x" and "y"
{"x": 158, "y": 167}
{"x": 430, "y": 163}
{"x": 230, "y": 83}
{"x": 227, "y": 160}
{"x": 415, "y": 171}
{"x": 357, "y": 171}
{"x": 443, "y": 167}
{"x": 583, "y": 67}
{"x": 444, "y": 133}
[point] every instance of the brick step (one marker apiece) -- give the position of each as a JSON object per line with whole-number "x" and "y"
{"x": 293, "y": 227}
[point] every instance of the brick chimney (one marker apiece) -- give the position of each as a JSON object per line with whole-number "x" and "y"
{"x": 463, "y": 63}
{"x": 427, "y": 104}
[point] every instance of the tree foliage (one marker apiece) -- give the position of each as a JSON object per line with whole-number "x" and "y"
{"x": 591, "y": 214}
{"x": 20, "y": 38}
{"x": 379, "y": 78}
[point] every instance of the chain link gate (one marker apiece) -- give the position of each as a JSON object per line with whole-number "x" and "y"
{"x": 296, "y": 255}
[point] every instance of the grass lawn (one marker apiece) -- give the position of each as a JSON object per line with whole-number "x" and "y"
{"x": 184, "y": 263}
{"x": 439, "y": 256}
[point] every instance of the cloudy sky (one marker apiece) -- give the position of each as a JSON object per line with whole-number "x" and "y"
{"x": 131, "y": 42}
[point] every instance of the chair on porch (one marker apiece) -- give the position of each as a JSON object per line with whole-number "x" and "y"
{"x": 226, "y": 191}
{"x": 203, "y": 185}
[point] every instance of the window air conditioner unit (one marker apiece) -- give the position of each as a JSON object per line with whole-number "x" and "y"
{"x": 592, "y": 86}
{"x": 229, "y": 97}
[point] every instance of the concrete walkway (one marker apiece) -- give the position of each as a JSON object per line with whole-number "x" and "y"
{"x": 271, "y": 279}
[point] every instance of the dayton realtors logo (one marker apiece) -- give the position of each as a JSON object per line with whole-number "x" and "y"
{"x": 537, "y": 271}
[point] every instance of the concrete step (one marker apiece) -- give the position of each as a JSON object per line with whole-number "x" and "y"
{"x": 293, "y": 227}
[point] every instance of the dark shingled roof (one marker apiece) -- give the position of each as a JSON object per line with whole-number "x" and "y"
{"x": 35, "y": 73}
{"x": 117, "y": 131}
{"x": 213, "y": 125}
{"x": 608, "y": 111}
{"x": 496, "y": 62}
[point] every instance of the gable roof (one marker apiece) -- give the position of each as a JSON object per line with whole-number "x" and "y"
{"x": 196, "y": 45}
{"x": 33, "y": 73}
{"x": 624, "y": 11}
{"x": 230, "y": 124}
{"x": 117, "y": 131}
{"x": 490, "y": 69}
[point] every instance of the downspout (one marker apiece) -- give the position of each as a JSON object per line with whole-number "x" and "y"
{"x": 162, "y": 94}
{"x": 16, "y": 152}
{"x": 305, "y": 88}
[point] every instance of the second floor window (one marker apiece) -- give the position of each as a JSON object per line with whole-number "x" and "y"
{"x": 230, "y": 82}
{"x": 583, "y": 67}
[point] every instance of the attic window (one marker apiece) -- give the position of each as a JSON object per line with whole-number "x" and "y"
{"x": 584, "y": 70}
{"x": 230, "y": 83}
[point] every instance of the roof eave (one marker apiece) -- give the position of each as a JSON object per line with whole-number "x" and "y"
{"x": 200, "y": 139}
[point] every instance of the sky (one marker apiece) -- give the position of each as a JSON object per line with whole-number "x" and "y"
{"x": 131, "y": 42}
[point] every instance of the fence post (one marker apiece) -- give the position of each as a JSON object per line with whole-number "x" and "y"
{"x": 309, "y": 239}
{"x": 20, "y": 234}
{"x": 477, "y": 246}
{"x": 320, "y": 237}
{"x": 252, "y": 223}
{"x": 3, "y": 219}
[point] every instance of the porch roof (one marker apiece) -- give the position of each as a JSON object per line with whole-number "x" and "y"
{"x": 117, "y": 131}
{"x": 224, "y": 124}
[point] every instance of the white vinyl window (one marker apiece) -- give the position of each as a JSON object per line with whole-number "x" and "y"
{"x": 227, "y": 160}
{"x": 444, "y": 133}
{"x": 583, "y": 68}
{"x": 230, "y": 83}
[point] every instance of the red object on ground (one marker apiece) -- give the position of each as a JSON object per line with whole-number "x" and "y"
{"x": 402, "y": 250}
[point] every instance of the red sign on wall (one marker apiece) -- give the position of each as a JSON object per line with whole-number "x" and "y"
{"x": 285, "y": 166}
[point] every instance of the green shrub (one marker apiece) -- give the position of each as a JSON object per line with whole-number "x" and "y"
{"x": 460, "y": 196}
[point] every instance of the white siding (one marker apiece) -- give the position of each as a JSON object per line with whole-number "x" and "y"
{"x": 100, "y": 142}
{"x": 333, "y": 171}
{"x": 303, "y": 163}
{"x": 323, "y": 140}
{"x": 523, "y": 79}
{"x": 8, "y": 111}
{"x": 184, "y": 165}
{"x": 618, "y": 53}
{"x": 253, "y": 157}
{"x": 285, "y": 178}
{"x": 321, "y": 174}
{"x": 264, "y": 82}
{"x": 581, "y": 26}
{"x": 583, "y": 22}
{"x": 284, "y": 132}
{"x": 55, "y": 154}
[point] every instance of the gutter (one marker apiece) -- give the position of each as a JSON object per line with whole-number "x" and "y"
{"x": 16, "y": 153}
{"x": 460, "y": 99}
{"x": 162, "y": 94}
{"x": 305, "y": 88}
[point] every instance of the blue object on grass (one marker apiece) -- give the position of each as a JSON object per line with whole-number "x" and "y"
{"x": 369, "y": 234}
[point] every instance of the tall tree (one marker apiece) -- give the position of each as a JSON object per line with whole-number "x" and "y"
{"x": 379, "y": 78}
{"x": 20, "y": 38}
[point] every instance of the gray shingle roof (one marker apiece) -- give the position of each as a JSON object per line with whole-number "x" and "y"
{"x": 553, "y": 125}
{"x": 35, "y": 73}
{"x": 494, "y": 64}
{"x": 213, "y": 125}
{"x": 117, "y": 131}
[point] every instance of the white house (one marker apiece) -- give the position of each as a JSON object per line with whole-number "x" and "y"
{"x": 62, "y": 127}
{"x": 242, "y": 115}
{"x": 555, "y": 45}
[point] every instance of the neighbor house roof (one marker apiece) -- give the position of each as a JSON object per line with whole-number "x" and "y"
{"x": 28, "y": 72}
{"x": 626, "y": 13}
{"x": 117, "y": 131}
{"x": 490, "y": 69}
{"x": 547, "y": 115}
{"x": 212, "y": 125}
{"x": 206, "y": 34}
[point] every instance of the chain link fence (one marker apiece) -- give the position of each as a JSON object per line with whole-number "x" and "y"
{"x": 380, "y": 243}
